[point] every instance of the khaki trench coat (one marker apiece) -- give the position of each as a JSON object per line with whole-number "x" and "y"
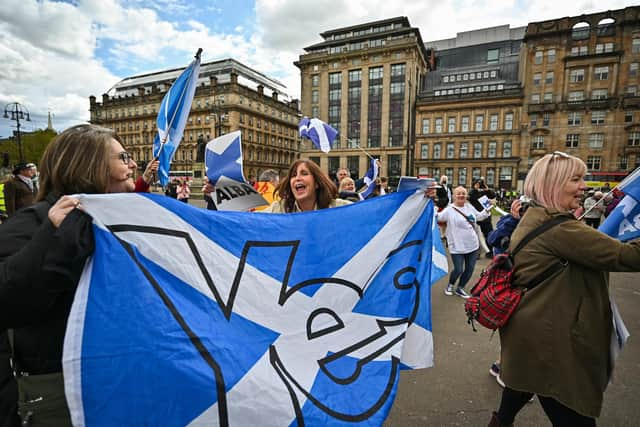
{"x": 556, "y": 343}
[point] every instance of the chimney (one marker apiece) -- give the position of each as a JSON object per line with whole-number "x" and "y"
{"x": 213, "y": 80}
{"x": 234, "y": 78}
{"x": 274, "y": 95}
{"x": 261, "y": 89}
{"x": 141, "y": 91}
{"x": 92, "y": 100}
{"x": 105, "y": 98}
{"x": 295, "y": 104}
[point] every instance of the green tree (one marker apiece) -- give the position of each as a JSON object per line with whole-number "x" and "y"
{"x": 33, "y": 145}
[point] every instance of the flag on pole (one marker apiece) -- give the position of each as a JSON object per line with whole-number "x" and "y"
{"x": 370, "y": 179}
{"x": 257, "y": 319}
{"x": 623, "y": 223}
{"x": 321, "y": 134}
{"x": 172, "y": 117}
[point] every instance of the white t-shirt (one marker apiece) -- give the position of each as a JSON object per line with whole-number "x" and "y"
{"x": 461, "y": 236}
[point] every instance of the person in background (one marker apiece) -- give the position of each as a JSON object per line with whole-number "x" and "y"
{"x": 341, "y": 174}
{"x": 3, "y": 205}
{"x": 556, "y": 344}
{"x": 34, "y": 177}
{"x": 171, "y": 189}
{"x": 616, "y": 197}
{"x": 19, "y": 191}
{"x": 593, "y": 209}
{"x": 347, "y": 190}
{"x": 480, "y": 189}
{"x": 460, "y": 217}
{"x": 266, "y": 186}
{"x": 306, "y": 188}
{"x": 384, "y": 182}
{"x": 43, "y": 252}
{"x": 183, "y": 191}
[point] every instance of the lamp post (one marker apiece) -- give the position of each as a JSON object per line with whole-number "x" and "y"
{"x": 18, "y": 111}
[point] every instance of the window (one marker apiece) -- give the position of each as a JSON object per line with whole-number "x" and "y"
{"x": 574, "y": 118}
{"x": 537, "y": 59}
{"x": 314, "y": 96}
{"x": 506, "y": 149}
{"x": 315, "y": 111}
{"x": 449, "y": 173}
{"x": 576, "y": 96}
{"x": 424, "y": 151}
{"x": 452, "y": 124}
{"x": 634, "y": 139}
{"x": 597, "y": 117}
{"x": 628, "y": 116}
{"x": 450, "y": 150}
{"x": 508, "y": 121}
{"x": 537, "y": 142}
{"x": 397, "y": 69}
{"x": 576, "y": 75}
{"x": 546, "y": 119}
{"x": 635, "y": 45}
{"x": 479, "y": 123}
{"x": 505, "y": 173}
{"x": 375, "y": 73}
{"x": 464, "y": 150}
{"x": 492, "y": 149}
{"x": 633, "y": 69}
{"x": 335, "y": 78}
{"x": 315, "y": 79}
{"x": 596, "y": 141}
{"x": 477, "y": 150}
{"x": 604, "y": 48}
{"x": 491, "y": 177}
{"x": 631, "y": 90}
{"x": 493, "y": 122}
{"x": 476, "y": 173}
{"x": 551, "y": 56}
{"x": 438, "y": 125}
{"x": 601, "y": 73}
{"x": 537, "y": 78}
{"x": 548, "y": 97}
{"x": 599, "y": 94}
{"x": 493, "y": 56}
{"x": 462, "y": 176}
{"x": 549, "y": 78}
{"x": 535, "y": 98}
{"x": 355, "y": 75}
{"x": 464, "y": 124}
{"x": 437, "y": 149}
{"x": 533, "y": 120}
{"x": 573, "y": 139}
{"x": 579, "y": 50}
{"x": 426, "y": 124}
{"x": 593, "y": 163}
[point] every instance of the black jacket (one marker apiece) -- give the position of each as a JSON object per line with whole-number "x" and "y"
{"x": 475, "y": 195}
{"x": 40, "y": 267}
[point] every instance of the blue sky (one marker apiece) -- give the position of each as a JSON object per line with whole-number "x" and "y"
{"x": 55, "y": 54}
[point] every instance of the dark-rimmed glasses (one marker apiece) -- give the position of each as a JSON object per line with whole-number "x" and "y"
{"x": 125, "y": 157}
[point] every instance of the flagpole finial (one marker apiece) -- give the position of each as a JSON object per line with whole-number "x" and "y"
{"x": 198, "y": 53}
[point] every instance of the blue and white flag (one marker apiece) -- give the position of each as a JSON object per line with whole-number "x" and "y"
{"x": 623, "y": 223}
{"x": 370, "y": 179}
{"x": 172, "y": 117}
{"x": 191, "y": 317}
{"x": 223, "y": 164}
{"x": 321, "y": 134}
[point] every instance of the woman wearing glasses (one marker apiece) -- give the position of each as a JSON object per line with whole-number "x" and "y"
{"x": 43, "y": 252}
{"x": 556, "y": 344}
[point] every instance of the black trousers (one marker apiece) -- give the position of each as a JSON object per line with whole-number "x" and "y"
{"x": 559, "y": 415}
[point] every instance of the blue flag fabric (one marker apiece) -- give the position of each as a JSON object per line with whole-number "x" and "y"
{"x": 223, "y": 157}
{"x": 321, "y": 134}
{"x": 623, "y": 223}
{"x": 186, "y": 316}
{"x": 370, "y": 179}
{"x": 172, "y": 117}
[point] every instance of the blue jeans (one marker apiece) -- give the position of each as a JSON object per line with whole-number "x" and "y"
{"x": 460, "y": 261}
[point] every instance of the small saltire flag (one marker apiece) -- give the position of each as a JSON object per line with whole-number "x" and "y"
{"x": 370, "y": 179}
{"x": 321, "y": 134}
{"x": 172, "y": 117}
{"x": 623, "y": 223}
{"x": 255, "y": 319}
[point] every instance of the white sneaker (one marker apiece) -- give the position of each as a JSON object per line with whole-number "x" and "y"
{"x": 462, "y": 293}
{"x": 449, "y": 290}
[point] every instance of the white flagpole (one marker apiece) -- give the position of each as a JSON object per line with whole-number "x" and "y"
{"x": 358, "y": 146}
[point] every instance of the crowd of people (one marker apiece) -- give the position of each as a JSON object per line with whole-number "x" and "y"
{"x": 555, "y": 346}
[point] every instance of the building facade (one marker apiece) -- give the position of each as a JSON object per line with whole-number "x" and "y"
{"x": 580, "y": 78}
{"x": 230, "y": 96}
{"x": 469, "y": 109}
{"x": 363, "y": 81}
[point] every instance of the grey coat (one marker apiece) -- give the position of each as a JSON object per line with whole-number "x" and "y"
{"x": 556, "y": 343}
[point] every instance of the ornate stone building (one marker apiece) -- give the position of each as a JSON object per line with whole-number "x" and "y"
{"x": 469, "y": 109}
{"x": 230, "y": 96}
{"x": 363, "y": 81}
{"x": 580, "y": 77}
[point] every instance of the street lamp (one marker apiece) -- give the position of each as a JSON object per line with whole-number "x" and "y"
{"x": 18, "y": 111}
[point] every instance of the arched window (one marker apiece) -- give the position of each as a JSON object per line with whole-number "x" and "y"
{"x": 606, "y": 27}
{"x": 580, "y": 31}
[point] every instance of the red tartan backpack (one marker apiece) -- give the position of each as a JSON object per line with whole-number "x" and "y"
{"x": 494, "y": 297}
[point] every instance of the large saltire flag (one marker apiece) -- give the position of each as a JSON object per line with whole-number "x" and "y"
{"x": 321, "y": 134}
{"x": 172, "y": 117}
{"x": 191, "y": 317}
{"x": 623, "y": 223}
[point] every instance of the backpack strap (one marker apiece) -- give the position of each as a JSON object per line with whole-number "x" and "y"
{"x": 554, "y": 267}
{"x": 464, "y": 216}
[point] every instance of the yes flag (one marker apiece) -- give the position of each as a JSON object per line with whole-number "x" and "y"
{"x": 223, "y": 162}
{"x": 623, "y": 223}
{"x": 191, "y": 317}
{"x": 321, "y": 134}
{"x": 370, "y": 179}
{"x": 172, "y": 117}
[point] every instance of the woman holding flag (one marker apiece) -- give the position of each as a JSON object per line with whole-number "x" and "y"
{"x": 43, "y": 252}
{"x": 558, "y": 342}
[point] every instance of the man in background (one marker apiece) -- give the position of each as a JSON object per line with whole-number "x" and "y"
{"x": 19, "y": 191}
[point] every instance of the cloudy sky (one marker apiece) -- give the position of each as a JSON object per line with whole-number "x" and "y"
{"x": 55, "y": 54}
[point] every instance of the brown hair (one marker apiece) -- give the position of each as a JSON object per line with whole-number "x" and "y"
{"x": 77, "y": 161}
{"x": 325, "y": 193}
{"x": 547, "y": 177}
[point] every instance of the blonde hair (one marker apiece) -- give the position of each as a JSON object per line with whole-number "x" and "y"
{"x": 77, "y": 161}
{"x": 344, "y": 182}
{"x": 546, "y": 179}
